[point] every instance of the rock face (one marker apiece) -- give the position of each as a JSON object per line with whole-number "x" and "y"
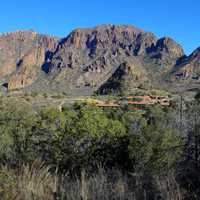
{"x": 187, "y": 69}
{"x": 105, "y": 58}
{"x": 28, "y": 68}
{"x": 88, "y": 57}
{"x": 21, "y": 56}
{"x": 165, "y": 53}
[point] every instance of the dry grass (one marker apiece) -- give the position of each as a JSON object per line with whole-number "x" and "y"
{"x": 31, "y": 183}
{"x": 35, "y": 182}
{"x": 169, "y": 187}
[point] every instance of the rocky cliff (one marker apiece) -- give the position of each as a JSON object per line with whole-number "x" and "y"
{"x": 188, "y": 68}
{"x": 22, "y": 55}
{"x": 105, "y": 58}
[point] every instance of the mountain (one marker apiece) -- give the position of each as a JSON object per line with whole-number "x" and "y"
{"x": 188, "y": 67}
{"x": 21, "y": 57}
{"x": 104, "y": 59}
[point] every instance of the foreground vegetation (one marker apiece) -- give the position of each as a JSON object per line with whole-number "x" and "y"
{"x": 87, "y": 153}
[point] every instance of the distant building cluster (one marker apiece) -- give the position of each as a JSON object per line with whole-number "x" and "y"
{"x": 132, "y": 100}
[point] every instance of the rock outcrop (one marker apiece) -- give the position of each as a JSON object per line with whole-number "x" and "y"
{"x": 188, "y": 69}
{"x": 21, "y": 56}
{"x": 124, "y": 79}
{"x": 165, "y": 53}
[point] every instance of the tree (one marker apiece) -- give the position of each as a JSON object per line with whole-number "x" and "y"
{"x": 17, "y": 121}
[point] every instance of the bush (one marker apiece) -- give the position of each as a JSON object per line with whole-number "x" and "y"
{"x": 140, "y": 146}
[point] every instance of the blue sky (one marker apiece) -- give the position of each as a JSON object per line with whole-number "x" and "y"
{"x": 179, "y": 19}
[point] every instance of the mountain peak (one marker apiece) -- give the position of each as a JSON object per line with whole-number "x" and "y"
{"x": 20, "y": 33}
{"x": 113, "y": 27}
{"x": 196, "y": 53}
{"x": 168, "y": 45}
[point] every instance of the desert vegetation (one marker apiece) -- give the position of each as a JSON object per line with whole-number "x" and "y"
{"x": 88, "y": 153}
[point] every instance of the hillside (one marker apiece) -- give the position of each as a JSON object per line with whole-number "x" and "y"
{"x": 100, "y": 59}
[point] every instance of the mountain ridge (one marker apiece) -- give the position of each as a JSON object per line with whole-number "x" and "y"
{"x": 88, "y": 58}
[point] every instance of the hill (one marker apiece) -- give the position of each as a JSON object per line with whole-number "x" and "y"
{"x": 104, "y": 59}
